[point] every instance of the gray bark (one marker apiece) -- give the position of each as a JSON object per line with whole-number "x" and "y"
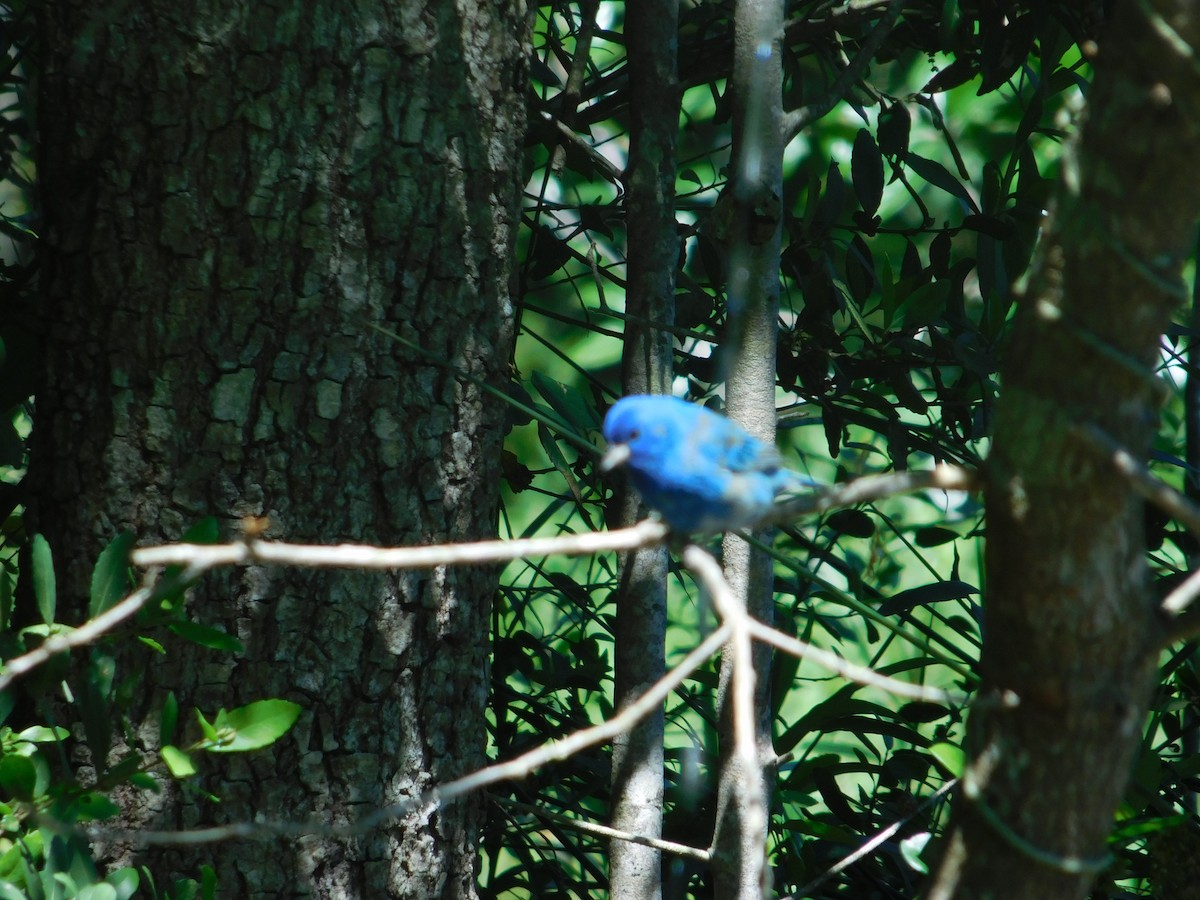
{"x": 232, "y": 192}
{"x": 653, "y": 248}
{"x": 739, "y": 844}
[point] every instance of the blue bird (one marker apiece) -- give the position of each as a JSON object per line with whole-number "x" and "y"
{"x": 699, "y": 470}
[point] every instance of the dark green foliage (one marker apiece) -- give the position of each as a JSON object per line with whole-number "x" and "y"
{"x": 911, "y": 212}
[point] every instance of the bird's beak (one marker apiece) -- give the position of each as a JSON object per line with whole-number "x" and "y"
{"x": 615, "y": 455}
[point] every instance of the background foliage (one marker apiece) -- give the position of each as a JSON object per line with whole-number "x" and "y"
{"x": 912, "y": 207}
{"x": 913, "y": 202}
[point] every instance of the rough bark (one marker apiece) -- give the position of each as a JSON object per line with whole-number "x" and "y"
{"x": 1071, "y": 629}
{"x": 232, "y": 192}
{"x": 648, "y": 350}
{"x": 739, "y": 844}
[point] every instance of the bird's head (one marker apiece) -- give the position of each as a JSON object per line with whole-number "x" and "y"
{"x": 641, "y": 428}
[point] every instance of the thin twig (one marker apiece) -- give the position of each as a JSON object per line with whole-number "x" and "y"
{"x": 871, "y": 844}
{"x": 852, "y": 672}
{"x": 682, "y": 850}
{"x": 944, "y": 477}
{"x": 1158, "y": 492}
{"x": 94, "y": 629}
{"x": 708, "y": 572}
{"x": 797, "y": 120}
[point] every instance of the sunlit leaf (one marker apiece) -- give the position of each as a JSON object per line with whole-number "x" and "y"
{"x": 255, "y": 725}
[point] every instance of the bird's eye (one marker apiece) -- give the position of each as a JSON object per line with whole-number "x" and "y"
{"x": 633, "y": 435}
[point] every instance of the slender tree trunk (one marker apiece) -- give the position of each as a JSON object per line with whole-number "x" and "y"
{"x": 233, "y": 192}
{"x": 653, "y": 249}
{"x": 1072, "y": 633}
{"x": 753, "y": 303}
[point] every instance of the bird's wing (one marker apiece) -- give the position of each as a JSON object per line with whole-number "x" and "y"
{"x": 740, "y": 451}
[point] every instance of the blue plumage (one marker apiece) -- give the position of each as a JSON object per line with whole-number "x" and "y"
{"x": 699, "y": 470}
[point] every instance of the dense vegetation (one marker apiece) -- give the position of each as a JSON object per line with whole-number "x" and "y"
{"x": 925, "y": 147}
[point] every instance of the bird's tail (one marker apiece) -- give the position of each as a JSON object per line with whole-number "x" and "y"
{"x": 791, "y": 482}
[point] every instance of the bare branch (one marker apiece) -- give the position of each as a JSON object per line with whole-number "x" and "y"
{"x": 798, "y": 119}
{"x": 1161, "y": 494}
{"x": 359, "y": 556}
{"x": 942, "y": 477}
{"x": 682, "y": 850}
{"x": 852, "y": 672}
{"x": 94, "y": 629}
{"x": 871, "y": 845}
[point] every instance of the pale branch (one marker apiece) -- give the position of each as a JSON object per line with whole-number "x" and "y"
{"x": 850, "y": 671}
{"x": 1183, "y": 596}
{"x": 708, "y": 571}
{"x": 97, "y": 627}
{"x": 737, "y": 627}
{"x": 198, "y": 558}
{"x": 569, "y": 135}
{"x": 797, "y": 120}
{"x": 1184, "y": 618}
{"x": 812, "y": 25}
{"x": 519, "y": 767}
{"x": 681, "y": 850}
{"x": 644, "y": 534}
{"x": 361, "y": 556}
{"x": 943, "y": 477}
{"x": 1158, "y": 492}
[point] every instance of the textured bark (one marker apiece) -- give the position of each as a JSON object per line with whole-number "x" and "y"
{"x": 1070, "y": 623}
{"x": 648, "y": 352}
{"x": 739, "y": 844}
{"x": 232, "y": 192}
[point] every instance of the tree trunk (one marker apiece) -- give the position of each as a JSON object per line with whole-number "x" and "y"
{"x": 232, "y": 193}
{"x": 739, "y": 844}
{"x": 1071, "y": 628}
{"x": 635, "y": 870}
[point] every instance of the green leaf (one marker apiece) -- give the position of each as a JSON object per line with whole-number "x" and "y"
{"x": 567, "y": 402}
{"x": 853, "y": 522}
{"x": 6, "y": 601}
{"x": 937, "y": 592}
{"x": 911, "y": 849}
{"x": 206, "y": 531}
{"x": 110, "y": 578}
{"x": 213, "y": 638}
{"x": 93, "y": 806}
{"x": 206, "y": 728}
{"x": 939, "y": 176}
{"x": 42, "y": 734}
{"x": 152, "y": 644}
{"x": 934, "y": 536}
{"x": 893, "y": 129}
{"x": 951, "y": 758}
{"x": 44, "y": 588}
{"x": 178, "y": 763}
{"x": 168, "y": 718}
{"x": 18, "y": 777}
{"x": 866, "y": 169}
{"x": 144, "y": 781}
{"x": 101, "y": 891}
{"x": 126, "y": 882}
{"x": 255, "y": 725}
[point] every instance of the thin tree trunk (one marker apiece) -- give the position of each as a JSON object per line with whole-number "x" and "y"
{"x": 650, "y": 27}
{"x": 1071, "y": 629}
{"x": 753, "y": 303}
{"x": 232, "y": 193}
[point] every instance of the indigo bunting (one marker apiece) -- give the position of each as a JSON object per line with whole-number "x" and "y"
{"x": 698, "y": 469}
